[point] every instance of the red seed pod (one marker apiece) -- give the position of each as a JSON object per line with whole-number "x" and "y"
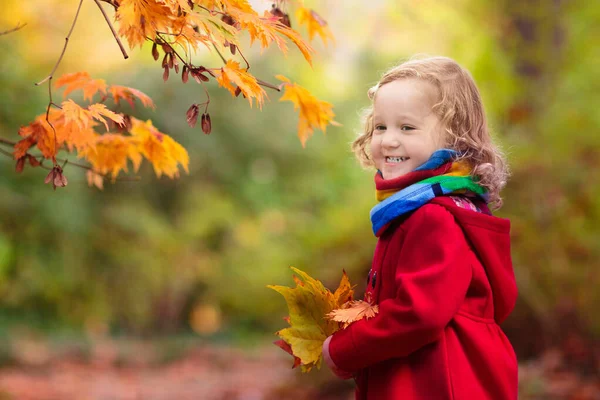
{"x": 192, "y": 115}
{"x": 198, "y": 76}
{"x": 171, "y": 62}
{"x": 206, "y": 125}
{"x": 228, "y": 19}
{"x": 33, "y": 161}
{"x": 166, "y": 73}
{"x": 238, "y": 91}
{"x": 176, "y": 65}
{"x": 283, "y": 17}
{"x": 155, "y": 53}
{"x": 185, "y": 74}
{"x": 20, "y": 165}
{"x": 232, "y": 48}
{"x": 165, "y": 60}
{"x": 167, "y": 48}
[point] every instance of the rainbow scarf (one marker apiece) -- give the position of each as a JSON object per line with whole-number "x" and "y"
{"x": 438, "y": 176}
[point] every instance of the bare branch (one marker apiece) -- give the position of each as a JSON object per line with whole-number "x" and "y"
{"x": 112, "y": 29}
{"x": 7, "y": 142}
{"x": 49, "y": 77}
{"x": 16, "y": 28}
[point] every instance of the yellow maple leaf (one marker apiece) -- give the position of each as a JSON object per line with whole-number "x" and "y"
{"x": 315, "y": 24}
{"x": 353, "y": 311}
{"x": 111, "y": 153}
{"x": 308, "y": 304}
{"x": 160, "y": 149}
{"x": 314, "y": 113}
{"x": 83, "y": 117}
{"x": 83, "y": 81}
{"x": 232, "y": 73}
{"x": 264, "y": 29}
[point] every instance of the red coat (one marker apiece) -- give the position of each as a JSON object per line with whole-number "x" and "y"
{"x": 443, "y": 280}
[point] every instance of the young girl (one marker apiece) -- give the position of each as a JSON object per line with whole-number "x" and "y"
{"x": 442, "y": 273}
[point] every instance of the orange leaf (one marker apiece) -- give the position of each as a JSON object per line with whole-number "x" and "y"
{"x": 83, "y": 81}
{"x": 231, "y": 72}
{"x": 37, "y": 132}
{"x": 353, "y": 311}
{"x": 84, "y": 117}
{"x": 315, "y": 24}
{"x": 129, "y": 94}
{"x": 314, "y": 113}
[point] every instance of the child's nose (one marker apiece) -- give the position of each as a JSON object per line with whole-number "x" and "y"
{"x": 390, "y": 140}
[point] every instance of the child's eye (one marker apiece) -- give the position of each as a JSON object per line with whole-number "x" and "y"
{"x": 407, "y": 128}
{"x": 380, "y": 128}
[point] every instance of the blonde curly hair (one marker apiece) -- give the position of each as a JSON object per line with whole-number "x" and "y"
{"x": 461, "y": 112}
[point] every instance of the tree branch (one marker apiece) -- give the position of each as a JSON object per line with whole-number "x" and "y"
{"x": 7, "y": 142}
{"x": 49, "y": 77}
{"x": 112, "y": 29}
{"x": 16, "y": 28}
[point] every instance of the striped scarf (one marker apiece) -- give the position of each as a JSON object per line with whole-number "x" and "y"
{"x": 438, "y": 176}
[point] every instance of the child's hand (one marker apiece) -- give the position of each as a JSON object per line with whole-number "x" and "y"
{"x": 328, "y": 360}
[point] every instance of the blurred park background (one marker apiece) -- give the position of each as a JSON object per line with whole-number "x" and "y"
{"x": 155, "y": 289}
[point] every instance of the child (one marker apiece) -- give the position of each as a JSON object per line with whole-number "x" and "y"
{"x": 442, "y": 273}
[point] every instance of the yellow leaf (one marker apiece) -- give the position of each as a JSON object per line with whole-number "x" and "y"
{"x": 231, "y": 72}
{"x": 83, "y": 81}
{"x": 308, "y": 304}
{"x": 161, "y": 150}
{"x": 110, "y": 153}
{"x": 344, "y": 292}
{"x": 353, "y": 311}
{"x": 315, "y": 24}
{"x": 84, "y": 117}
{"x": 314, "y": 113}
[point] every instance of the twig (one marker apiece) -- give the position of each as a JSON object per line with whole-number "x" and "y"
{"x": 16, "y": 28}
{"x": 49, "y": 77}
{"x": 87, "y": 167}
{"x": 112, "y": 29}
{"x": 7, "y": 142}
{"x": 219, "y": 53}
{"x": 6, "y": 153}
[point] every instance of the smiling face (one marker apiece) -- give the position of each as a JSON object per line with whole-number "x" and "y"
{"x": 406, "y": 131}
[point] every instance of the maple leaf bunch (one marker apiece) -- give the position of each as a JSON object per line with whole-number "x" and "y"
{"x": 316, "y": 313}
{"x": 74, "y": 128}
{"x": 178, "y": 28}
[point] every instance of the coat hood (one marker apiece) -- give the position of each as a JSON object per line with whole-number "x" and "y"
{"x": 489, "y": 237}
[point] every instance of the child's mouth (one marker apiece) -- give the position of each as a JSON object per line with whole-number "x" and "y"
{"x": 396, "y": 159}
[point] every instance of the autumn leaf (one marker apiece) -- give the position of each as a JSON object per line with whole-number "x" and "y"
{"x": 129, "y": 94}
{"x": 353, "y": 311}
{"x": 315, "y": 24}
{"x": 314, "y": 113}
{"x": 308, "y": 304}
{"x": 36, "y": 133}
{"x": 232, "y": 73}
{"x": 111, "y": 153}
{"x": 161, "y": 150}
{"x": 83, "y": 81}
{"x": 84, "y": 116}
